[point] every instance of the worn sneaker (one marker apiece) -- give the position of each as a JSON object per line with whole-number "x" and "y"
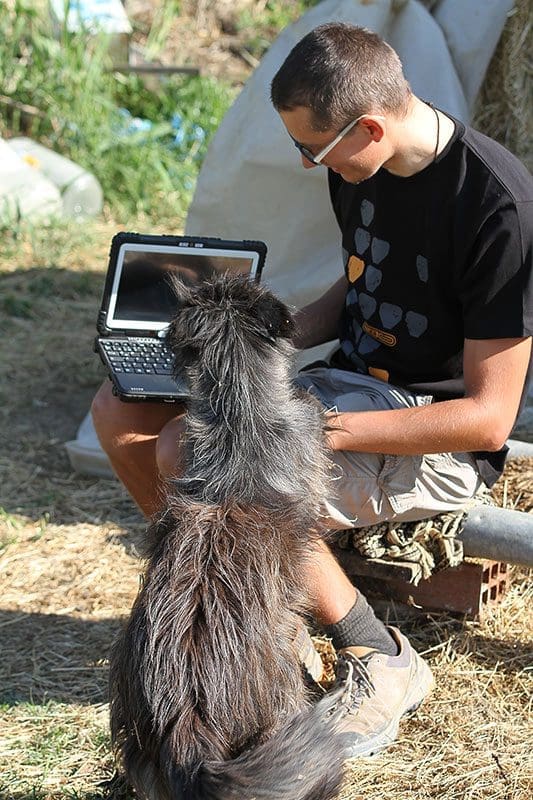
{"x": 379, "y": 691}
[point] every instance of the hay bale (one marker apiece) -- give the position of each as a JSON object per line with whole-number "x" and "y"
{"x": 504, "y": 109}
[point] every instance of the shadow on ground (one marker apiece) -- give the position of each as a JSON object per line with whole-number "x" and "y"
{"x": 54, "y": 657}
{"x": 65, "y": 659}
{"x": 47, "y": 329}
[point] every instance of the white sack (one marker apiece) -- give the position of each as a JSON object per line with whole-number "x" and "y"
{"x": 472, "y": 29}
{"x": 23, "y": 190}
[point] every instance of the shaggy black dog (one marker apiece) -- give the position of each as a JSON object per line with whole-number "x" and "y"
{"x": 208, "y": 699}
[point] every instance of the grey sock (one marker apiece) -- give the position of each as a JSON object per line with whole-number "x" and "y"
{"x": 361, "y": 628}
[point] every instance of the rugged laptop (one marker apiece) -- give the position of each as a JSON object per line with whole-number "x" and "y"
{"x": 138, "y": 305}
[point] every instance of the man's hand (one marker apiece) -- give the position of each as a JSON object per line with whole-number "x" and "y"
{"x": 494, "y": 373}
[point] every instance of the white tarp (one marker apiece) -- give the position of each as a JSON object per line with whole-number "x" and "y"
{"x": 252, "y": 184}
{"x": 98, "y": 15}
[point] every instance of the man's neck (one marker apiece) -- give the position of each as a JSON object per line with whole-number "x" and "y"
{"x": 418, "y": 138}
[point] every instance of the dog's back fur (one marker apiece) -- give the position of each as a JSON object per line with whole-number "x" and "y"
{"x": 207, "y": 694}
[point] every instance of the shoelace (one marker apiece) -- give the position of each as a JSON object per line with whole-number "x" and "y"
{"x": 353, "y": 673}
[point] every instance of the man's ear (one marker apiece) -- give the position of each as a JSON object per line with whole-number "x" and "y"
{"x": 374, "y": 127}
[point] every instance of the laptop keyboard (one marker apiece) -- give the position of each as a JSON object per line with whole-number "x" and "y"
{"x": 143, "y": 356}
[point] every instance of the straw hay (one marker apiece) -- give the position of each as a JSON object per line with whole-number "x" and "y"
{"x": 504, "y": 107}
{"x": 515, "y": 487}
{"x": 65, "y": 591}
{"x": 69, "y": 569}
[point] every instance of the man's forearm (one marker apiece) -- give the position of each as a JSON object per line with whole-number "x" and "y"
{"x": 494, "y": 374}
{"x": 450, "y": 426}
{"x": 317, "y": 323}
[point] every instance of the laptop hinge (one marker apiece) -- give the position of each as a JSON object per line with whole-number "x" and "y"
{"x": 134, "y": 334}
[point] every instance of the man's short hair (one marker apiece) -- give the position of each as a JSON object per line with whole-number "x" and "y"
{"x": 340, "y": 71}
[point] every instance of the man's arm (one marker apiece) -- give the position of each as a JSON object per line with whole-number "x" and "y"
{"x": 317, "y": 322}
{"x": 494, "y": 375}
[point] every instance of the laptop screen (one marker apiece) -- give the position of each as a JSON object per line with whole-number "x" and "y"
{"x": 141, "y": 294}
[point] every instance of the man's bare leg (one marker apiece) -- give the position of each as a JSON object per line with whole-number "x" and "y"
{"x": 130, "y": 435}
{"x": 332, "y": 592}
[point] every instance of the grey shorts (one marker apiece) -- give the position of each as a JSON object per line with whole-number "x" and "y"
{"x": 371, "y": 487}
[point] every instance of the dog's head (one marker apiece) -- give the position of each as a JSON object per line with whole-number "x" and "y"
{"x": 225, "y": 309}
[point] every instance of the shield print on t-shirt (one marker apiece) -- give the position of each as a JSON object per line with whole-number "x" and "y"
{"x": 351, "y": 298}
{"x": 373, "y": 278}
{"x": 356, "y": 330}
{"x": 367, "y": 305}
{"x": 390, "y": 315}
{"x": 361, "y": 241}
{"x": 379, "y": 250}
{"x": 367, "y": 212}
{"x": 422, "y": 268}
{"x": 356, "y": 268}
{"x": 416, "y": 323}
{"x": 367, "y": 345}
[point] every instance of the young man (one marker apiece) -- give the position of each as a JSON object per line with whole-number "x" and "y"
{"x": 434, "y": 321}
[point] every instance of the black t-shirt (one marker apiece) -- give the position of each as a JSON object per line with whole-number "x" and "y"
{"x": 432, "y": 259}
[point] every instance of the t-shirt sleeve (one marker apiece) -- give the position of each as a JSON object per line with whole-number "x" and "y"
{"x": 495, "y": 288}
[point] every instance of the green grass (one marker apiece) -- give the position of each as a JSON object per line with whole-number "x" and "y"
{"x": 160, "y": 28}
{"x": 260, "y": 26}
{"x": 9, "y": 526}
{"x": 52, "y": 742}
{"x": 145, "y": 147}
{"x": 44, "y": 242}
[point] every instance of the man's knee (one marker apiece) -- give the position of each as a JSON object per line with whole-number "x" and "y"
{"x": 107, "y": 416}
{"x": 117, "y": 423}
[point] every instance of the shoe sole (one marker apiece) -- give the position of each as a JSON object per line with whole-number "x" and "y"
{"x": 424, "y": 685}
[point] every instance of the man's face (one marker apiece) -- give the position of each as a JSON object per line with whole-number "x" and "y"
{"x": 356, "y": 157}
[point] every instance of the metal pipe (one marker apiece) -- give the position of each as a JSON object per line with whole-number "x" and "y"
{"x": 518, "y": 448}
{"x": 499, "y": 534}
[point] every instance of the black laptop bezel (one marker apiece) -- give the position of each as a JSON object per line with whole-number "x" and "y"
{"x": 165, "y": 240}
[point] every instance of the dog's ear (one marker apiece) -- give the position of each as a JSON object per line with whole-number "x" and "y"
{"x": 183, "y": 294}
{"x": 180, "y": 333}
{"x": 274, "y": 317}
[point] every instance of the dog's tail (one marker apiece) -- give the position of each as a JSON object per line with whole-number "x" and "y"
{"x": 304, "y": 760}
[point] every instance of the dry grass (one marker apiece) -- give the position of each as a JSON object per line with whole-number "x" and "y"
{"x": 68, "y": 564}
{"x": 69, "y": 572}
{"x": 515, "y": 487}
{"x": 65, "y": 589}
{"x": 473, "y": 738}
